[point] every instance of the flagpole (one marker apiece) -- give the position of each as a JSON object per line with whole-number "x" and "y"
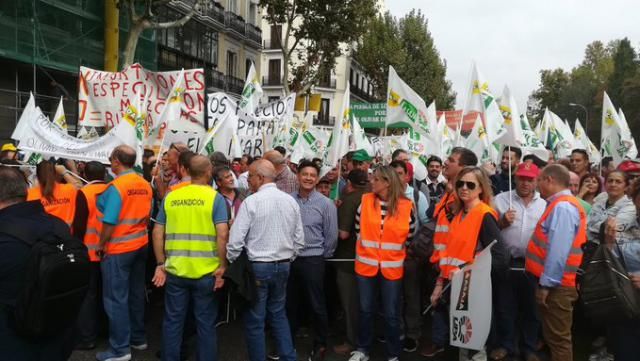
{"x": 510, "y": 193}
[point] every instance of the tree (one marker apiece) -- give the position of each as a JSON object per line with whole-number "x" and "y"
{"x": 407, "y": 45}
{"x": 148, "y": 19}
{"x": 625, "y": 66}
{"x": 549, "y": 94}
{"x": 315, "y": 32}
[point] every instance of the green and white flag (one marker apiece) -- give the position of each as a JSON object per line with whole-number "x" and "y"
{"x": 338, "y": 144}
{"x": 446, "y": 137}
{"x": 582, "y": 141}
{"x": 59, "y": 117}
{"x": 511, "y": 116}
{"x": 532, "y": 144}
{"x": 478, "y": 141}
{"x": 615, "y": 140}
{"x": 252, "y": 91}
{"x": 557, "y": 133}
{"x": 633, "y": 149}
{"x": 405, "y": 106}
{"x": 171, "y": 112}
{"x": 136, "y": 116}
{"x": 360, "y": 140}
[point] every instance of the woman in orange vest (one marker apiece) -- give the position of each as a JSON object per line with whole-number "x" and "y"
{"x": 473, "y": 227}
{"x": 385, "y": 223}
{"x": 58, "y": 199}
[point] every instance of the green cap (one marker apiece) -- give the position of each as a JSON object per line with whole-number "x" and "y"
{"x": 361, "y": 155}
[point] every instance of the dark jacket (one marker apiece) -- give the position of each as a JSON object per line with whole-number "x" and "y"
{"x": 14, "y": 255}
{"x": 242, "y": 281}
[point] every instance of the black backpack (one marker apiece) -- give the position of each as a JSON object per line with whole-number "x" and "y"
{"x": 421, "y": 247}
{"x": 56, "y": 282}
{"x": 606, "y": 291}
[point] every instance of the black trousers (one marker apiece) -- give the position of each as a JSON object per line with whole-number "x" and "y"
{"x": 306, "y": 287}
{"x": 87, "y": 323}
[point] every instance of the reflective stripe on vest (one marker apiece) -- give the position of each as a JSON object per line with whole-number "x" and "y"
{"x": 190, "y": 236}
{"x": 381, "y": 246}
{"x": 539, "y": 243}
{"x": 442, "y": 227}
{"x": 94, "y": 225}
{"x": 130, "y": 232}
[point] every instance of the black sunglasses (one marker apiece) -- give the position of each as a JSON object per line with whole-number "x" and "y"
{"x": 470, "y": 185}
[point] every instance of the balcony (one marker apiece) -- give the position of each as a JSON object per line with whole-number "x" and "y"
{"x": 324, "y": 120}
{"x": 327, "y": 83}
{"x": 235, "y": 23}
{"x": 215, "y": 79}
{"x": 272, "y": 80}
{"x": 234, "y": 85}
{"x": 214, "y": 16}
{"x": 254, "y": 34}
{"x": 361, "y": 93}
{"x": 272, "y": 44}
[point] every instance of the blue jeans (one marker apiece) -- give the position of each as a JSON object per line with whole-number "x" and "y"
{"x": 390, "y": 293}
{"x": 123, "y": 293}
{"x": 271, "y": 284}
{"x": 516, "y": 311}
{"x": 177, "y": 293}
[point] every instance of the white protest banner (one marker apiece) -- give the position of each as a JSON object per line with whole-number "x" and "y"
{"x": 193, "y": 139}
{"x": 470, "y": 307}
{"x": 253, "y": 133}
{"x": 40, "y": 135}
{"x": 384, "y": 146}
{"x": 104, "y": 96}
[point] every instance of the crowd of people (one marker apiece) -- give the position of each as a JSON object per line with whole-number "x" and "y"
{"x": 276, "y": 234}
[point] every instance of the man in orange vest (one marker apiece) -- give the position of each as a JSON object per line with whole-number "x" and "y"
{"x": 125, "y": 207}
{"x": 87, "y": 226}
{"x": 553, "y": 256}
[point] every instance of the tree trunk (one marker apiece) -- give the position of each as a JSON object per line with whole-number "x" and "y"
{"x": 132, "y": 43}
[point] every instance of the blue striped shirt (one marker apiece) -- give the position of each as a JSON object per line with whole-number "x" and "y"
{"x": 320, "y": 221}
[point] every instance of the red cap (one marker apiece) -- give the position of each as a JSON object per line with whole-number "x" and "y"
{"x": 629, "y": 166}
{"x": 528, "y": 170}
{"x": 409, "y": 172}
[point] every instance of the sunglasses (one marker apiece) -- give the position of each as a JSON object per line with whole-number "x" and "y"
{"x": 470, "y": 185}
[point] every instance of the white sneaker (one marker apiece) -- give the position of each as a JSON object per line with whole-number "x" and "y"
{"x": 358, "y": 356}
{"x": 394, "y": 359}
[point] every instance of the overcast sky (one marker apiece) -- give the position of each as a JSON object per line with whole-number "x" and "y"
{"x": 511, "y": 41}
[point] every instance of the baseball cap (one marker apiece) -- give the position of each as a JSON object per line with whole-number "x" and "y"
{"x": 9, "y": 147}
{"x": 361, "y": 155}
{"x": 627, "y": 166}
{"x": 527, "y": 170}
{"x": 358, "y": 178}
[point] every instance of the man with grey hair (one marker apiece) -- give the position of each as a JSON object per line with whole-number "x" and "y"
{"x": 285, "y": 180}
{"x": 269, "y": 227}
{"x": 35, "y": 223}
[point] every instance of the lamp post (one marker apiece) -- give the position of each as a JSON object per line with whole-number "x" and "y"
{"x": 586, "y": 116}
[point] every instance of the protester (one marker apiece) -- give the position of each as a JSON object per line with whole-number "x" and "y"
{"x": 58, "y": 199}
{"x": 345, "y": 274}
{"x": 170, "y": 175}
{"x": 400, "y": 155}
{"x": 8, "y": 152}
{"x": 361, "y": 160}
{"x": 125, "y": 206}
{"x": 574, "y": 187}
{"x": 631, "y": 168}
{"x": 336, "y": 182}
{"x": 87, "y": 226}
{"x": 580, "y": 162}
{"x": 473, "y": 227}
{"x": 285, "y": 180}
{"x": 324, "y": 187}
{"x": 270, "y": 229}
{"x": 189, "y": 241}
{"x": 612, "y": 203}
{"x": 589, "y": 187}
{"x": 183, "y": 170}
{"x": 379, "y": 259}
{"x": 504, "y": 181}
{"x": 306, "y": 277}
{"x": 553, "y": 256}
{"x": 245, "y": 162}
{"x": 514, "y": 302}
{"x": 436, "y": 182}
{"x": 15, "y": 260}
{"x": 623, "y": 335}
{"x": 223, "y": 178}
{"x": 607, "y": 165}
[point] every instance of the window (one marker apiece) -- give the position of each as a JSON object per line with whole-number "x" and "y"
{"x": 274, "y": 72}
{"x": 276, "y": 36}
{"x": 232, "y": 63}
{"x": 273, "y": 99}
{"x": 247, "y": 67}
{"x": 351, "y": 76}
{"x": 357, "y": 80}
{"x": 323, "y": 114}
{"x": 233, "y": 6}
{"x": 253, "y": 10}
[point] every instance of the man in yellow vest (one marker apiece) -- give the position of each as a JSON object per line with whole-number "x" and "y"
{"x": 190, "y": 244}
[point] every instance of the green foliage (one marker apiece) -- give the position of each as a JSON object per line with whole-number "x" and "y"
{"x": 314, "y": 34}
{"x": 407, "y": 45}
{"x": 611, "y": 68}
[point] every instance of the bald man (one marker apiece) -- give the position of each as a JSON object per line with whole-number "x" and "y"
{"x": 269, "y": 227}
{"x": 125, "y": 206}
{"x": 285, "y": 179}
{"x": 190, "y": 244}
{"x": 574, "y": 186}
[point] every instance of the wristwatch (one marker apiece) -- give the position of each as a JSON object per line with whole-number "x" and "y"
{"x": 160, "y": 264}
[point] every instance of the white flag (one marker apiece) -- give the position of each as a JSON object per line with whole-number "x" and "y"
{"x": 59, "y": 117}
{"x": 532, "y": 144}
{"x": 29, "y": 112}
{"x": 446, "y": 136}
{"x": 633, "y": 149}
{"x": 338, "y": 144}
{"x": 252, "y": 91}
{"x": 615, "y": 142}
{"x": 511, "y": 115}
{"x": 470, "y": 303}
{"x": 478, "y": 142}
{"x": 481, "y": 100}
{"x": 583, "y": 142}
{"x": 405, "y": 106}
{"x": 557, "y": 133}
{"x": 171, "y": 113}
{"x": 360, "y": 140}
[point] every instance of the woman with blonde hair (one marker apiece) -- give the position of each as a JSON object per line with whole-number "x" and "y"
{"x": 385, "y": 223}
{"x": 473, "y": 227}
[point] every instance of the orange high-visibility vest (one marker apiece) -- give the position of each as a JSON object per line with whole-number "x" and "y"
{"x": 130, "y": 232}
{"x": 94, "y": 226}
{"x": 63, "y": 204}
{"x": 539, "y": 243}
{"x": 442, "y": 226}
{"x": 462, "y": 240}
{"x": 179, "y": 185}
{"x": 382, "y": 247}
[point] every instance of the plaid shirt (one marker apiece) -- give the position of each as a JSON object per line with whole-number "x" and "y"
{"x": 287, "y": 181}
